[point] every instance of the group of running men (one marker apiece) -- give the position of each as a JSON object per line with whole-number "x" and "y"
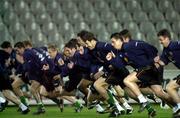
{"x": 97, "y": 69}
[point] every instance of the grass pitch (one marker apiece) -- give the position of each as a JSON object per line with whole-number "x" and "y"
{"x": 54, "y": 112}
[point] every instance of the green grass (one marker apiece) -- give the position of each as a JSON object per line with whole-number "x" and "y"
{"x": 54, "y": 112}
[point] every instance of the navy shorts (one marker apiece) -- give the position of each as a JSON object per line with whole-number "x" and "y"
{"x": 117, "y": 77}
{"x": 150, "y": 75}
{"x": 5, "y": 83}
{"x": 37, "y": 76}
{"x": 75, "y": 77}
{"x": 48, "y": 83}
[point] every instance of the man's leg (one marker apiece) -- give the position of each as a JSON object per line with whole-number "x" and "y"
{"x": 34, "y": 88}
{"x": 16, "y": 88}
{"x": 120, "y": 95}
{"x": 172, "y": 88}
{"x": 102, "y": 87}
{"x": 3, "y": 103}
{"x": 131, "y": 94}
{"x": 83, "y": 86}
{"x": 158, "y": 90}
{"x": 13, "y": 98}
{"x": 93, "y": 100}
{"x": 149, "y": 93}
{"x": 131, "y": 82}
{"x": 77, "y": 104}
{"x": 52, "y": 96}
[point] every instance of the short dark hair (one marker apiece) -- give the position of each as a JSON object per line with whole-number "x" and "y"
{"x": 88, "y": 36}
{"x": 116, "y": 36}
{"x": 6, "y": 44}
{"x": 19, "y": 45}
{"x": 73, "y": 40}
{"x": 164, "y": 33}
{"x": 125, "y": 33}
{"x": 72, "y": 43}
{"x": 82, "y": 33}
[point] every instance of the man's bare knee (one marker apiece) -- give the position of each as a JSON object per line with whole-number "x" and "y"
{"x": 96, "y": 85}
{"x": 15, "y": 86}
{"x": 171, "y": 86}
{"x": 126, "y": 81}
{"x": 32, "y": 90}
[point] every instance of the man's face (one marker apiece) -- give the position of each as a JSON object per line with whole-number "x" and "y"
{"x": 19, "y": 51}
{"x": 91, "y": 44}
{"x": 69, "y": 52}
{"x": 8, "y": 50}
{"x": 52, "y": 53}
{"x": 117, "y": 44}
{"x": 164, "y": 41}
{"x": 80, "y": 41}
{"x": 126, "y": 40}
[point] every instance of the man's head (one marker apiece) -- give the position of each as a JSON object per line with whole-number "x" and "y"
{"x": 7, "y": 47}
{"x": 89, "y": 39}
{"x": 82, "y": 33}
{"x": 80, "y": 37}
{"x": 52, "y": 50}
{"x": 70, "y": 48}
{"x": 126, "y": 35}
{"x": 116, "y": 41}
{"x": 164, "y": 37}
{"x": 19, "y": 47}
{"x": 27, "y": 44}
